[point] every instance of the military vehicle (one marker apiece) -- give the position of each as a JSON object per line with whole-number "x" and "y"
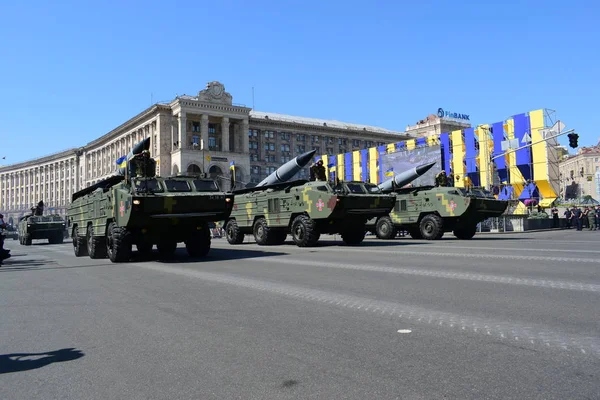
{"x": 427, "y": 212}
{"x": 137, "y": 207}
{"x": 39, "y": 226}
{"x": 11, "y": 232}
{"x": 305, "y": 210}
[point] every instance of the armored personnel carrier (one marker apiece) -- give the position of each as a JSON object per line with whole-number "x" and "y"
{"x": 305, "y": 210}
{"x": 137, "y": 207}
{"x": 427, "y": 212}
{"x": 39, "y": 226}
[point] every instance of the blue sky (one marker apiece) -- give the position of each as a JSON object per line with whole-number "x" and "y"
{"x": 71, "y": 72}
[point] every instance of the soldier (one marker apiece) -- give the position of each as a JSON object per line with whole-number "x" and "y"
{"x": 591, "y": 214}
{"x": 578, "y": 217}
{"x": 555, "y": 222}
{"x": 3, "y": 253}
{"x": 144, "y": 165}
{"x": 568, "y": 218}
{"x": 317, "y": 172}
{"x": 441, "y": 179}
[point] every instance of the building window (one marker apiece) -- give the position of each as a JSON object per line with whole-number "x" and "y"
{"x": 269, "y": 135}
{"x": 253, "y": 132}
{"x": 195, "y": 126}
{"x": 300, "y": 138}
{"x": 300, "y": 149}
{"x": 285, "y": 147}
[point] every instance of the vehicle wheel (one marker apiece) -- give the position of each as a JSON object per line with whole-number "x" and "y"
{"x": 262, "y": 232}
{"x": 304, "y": 231}
{"x": 118, "y": 243}
{"x": 96, "y": 246}
{"x": 79, "y": 244}
{"x": 385, "y": 229}
{"x": 353, "y": 237}
{"x": 465, "y": 232}
{"x": 199, "y": 244}
{"x": 27, "y": 239}
{"x": 166, "y": 248}
{"x": 431, "y": 227}
{"x": 232, "y": 232}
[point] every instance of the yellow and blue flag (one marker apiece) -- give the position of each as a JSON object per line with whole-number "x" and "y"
{"x": 232, "y": 165}
{"x": 122, "y": 162}
{"x": 389, "y": 172}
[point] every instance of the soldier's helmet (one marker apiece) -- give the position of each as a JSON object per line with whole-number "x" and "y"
{"x": 146, "y": 153}
{"x": 320, "y": 162}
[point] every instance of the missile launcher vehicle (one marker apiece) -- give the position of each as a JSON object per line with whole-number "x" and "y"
{"x": 427, "y": 212}
{"x": 38, "y": 226}
{"x": 136, "y": 207}
{"x": 304, "y": 209}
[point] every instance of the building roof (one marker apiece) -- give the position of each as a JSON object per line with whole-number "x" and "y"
{"x": 320, "y": 122}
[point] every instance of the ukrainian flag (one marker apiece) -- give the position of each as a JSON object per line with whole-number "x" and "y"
{"x": 232, "y": 165}
{"x": 389, "y": 172}
{"x": 122, "y": 162}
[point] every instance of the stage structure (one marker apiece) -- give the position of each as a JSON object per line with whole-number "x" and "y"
{"x": 479, "y": 156}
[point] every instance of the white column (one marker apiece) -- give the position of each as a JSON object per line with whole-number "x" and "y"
{"x": 182, "y": 125}
{"x": 225, "y": 134}
{"x": 204, "y": 131}
{"x": 245, "y": 139}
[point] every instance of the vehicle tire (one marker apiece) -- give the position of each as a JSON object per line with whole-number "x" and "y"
{"x": 385, "y": 229}
{"x": 27, "y": 239}
{"x": 79, "y": 244}
{"x": 465, "y": 232}
{"x": 96, "y": 246}
{"x": 199, "y": 244}
{"x": 431, "y": 227}
{"x": 262, "y": 232}
{"x": 353, "y": 237}
{"x": 166, "y": 248}
{"x": 232, "y": 232}
{"x": 304, "y": 231}
{"x": 118, "y": 243}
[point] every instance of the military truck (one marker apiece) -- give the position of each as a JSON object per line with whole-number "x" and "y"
{"x": 427, "y": 212}
{"x": 305, "y": 210}
{"x": 50, "y": 227}
{"x": 107, "y": 218}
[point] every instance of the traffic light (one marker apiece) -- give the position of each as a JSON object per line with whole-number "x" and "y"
{"x": 573, "y": 139}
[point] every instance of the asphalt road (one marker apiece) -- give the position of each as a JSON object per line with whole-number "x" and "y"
{"x": 498, "y": 317}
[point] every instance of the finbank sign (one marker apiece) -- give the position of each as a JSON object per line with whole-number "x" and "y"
{"x": 441, "y": 113}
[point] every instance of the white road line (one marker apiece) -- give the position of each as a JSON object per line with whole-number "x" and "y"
{"x": 500, "y": 330}
{"x": 542, "y": 283}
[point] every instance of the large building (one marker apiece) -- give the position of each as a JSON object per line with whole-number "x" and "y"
{"x": 580, "y": 174}
{"x": 189, "y": 134}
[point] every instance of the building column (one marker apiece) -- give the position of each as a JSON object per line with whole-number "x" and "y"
{"x": 182, "y": 125}
{"x": 225, "y": 134}
{"x": 204, "y": 132}
{"x": 245, "y": 139}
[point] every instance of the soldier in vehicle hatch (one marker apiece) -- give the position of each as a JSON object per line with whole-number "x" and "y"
{"x": 441, "y": 179}
{"x": 317, "y": 172}
{"x": 143, "y": 165}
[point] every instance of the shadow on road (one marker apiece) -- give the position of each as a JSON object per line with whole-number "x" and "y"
{"x": 20, "y": 265}
{"x": 215, "y": 254}
{"x": 18, "y": 362}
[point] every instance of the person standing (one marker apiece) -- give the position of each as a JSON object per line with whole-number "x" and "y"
{"x": 591, "y": 217}
{"x": 555, "y": 217}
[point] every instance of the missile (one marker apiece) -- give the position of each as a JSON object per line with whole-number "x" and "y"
{"x": 287, "y": 170}
{"x": 137, "y": 149}
{"x": 405, "y": 177}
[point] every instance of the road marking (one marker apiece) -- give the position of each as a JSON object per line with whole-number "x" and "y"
{"x": 404, "y": 331}
{"x": 542, "y": 283}
{"x": 500, "y": 330}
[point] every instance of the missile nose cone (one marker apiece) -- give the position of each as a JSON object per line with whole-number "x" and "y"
{"x": 303, "y": 159}
{"x": 421, "y": 169}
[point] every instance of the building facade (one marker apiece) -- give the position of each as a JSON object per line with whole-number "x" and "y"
{"x": 190, "y": 134}
{"x": 579, "y": 174}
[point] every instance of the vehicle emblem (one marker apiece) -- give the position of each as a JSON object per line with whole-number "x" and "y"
{"x": 122, "y": 209}
{"x": 452, "y": 205}
{"x": 320, "y": 205}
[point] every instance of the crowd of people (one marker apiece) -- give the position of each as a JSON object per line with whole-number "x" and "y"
{"x": 581, "y": 217}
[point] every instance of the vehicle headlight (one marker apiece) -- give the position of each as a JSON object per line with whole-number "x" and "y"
{"x": 137, "y": 202}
